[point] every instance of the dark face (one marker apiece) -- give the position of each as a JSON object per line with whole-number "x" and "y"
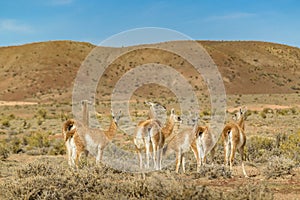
{"x": 117, "y": 117}
{"x": 70, "y": 126}
{"x": 200, "y": 131}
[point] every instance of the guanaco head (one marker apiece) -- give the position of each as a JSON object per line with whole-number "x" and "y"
{"x": 68, "y": 126}
{"x": 241, "y": 113}
{"x": 174, "y": 117}
{"x": 116, "y": 117}
{"x": 200, "y": 131}
{"x": 154, "y": 107}
{"x": 85, "y": 102}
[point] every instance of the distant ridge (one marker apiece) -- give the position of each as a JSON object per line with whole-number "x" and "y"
{"x": 45, "y": 71}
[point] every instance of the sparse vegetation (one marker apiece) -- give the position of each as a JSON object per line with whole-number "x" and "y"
{"x": 4, "y": 152}
{"x": 279, "y": 166}
{"x": 272, "y": 130}
{"x": 45, "y": 179}
{"x": 290, "y": 146}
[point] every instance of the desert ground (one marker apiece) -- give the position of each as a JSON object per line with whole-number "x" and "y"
{"x": 36, "y": 98}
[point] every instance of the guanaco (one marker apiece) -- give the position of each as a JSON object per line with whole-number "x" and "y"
{"x": 180, "y": 144}
{"x": 80, "y": 138}
{"x": 234, "y": 138}
{"x": 149, "y": 133}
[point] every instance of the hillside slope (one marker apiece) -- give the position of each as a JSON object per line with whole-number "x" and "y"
{"x": 46, "y": 71}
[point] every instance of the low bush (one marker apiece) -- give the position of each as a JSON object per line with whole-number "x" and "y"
{"x": 290, "y": 146}
{"x": 57, "y": 147}
{"x": 36, "y": 140}
{"x": 278, "y": 166}
{"x": 259, "y": 148}
{"x": 251, "y": 191}
{"x": 263, "y": 115}
{"x": 5, "y": 122}
{"x": 215, "y": 171}
{"x": 52, "y": 179}
{"x": 4, "y": 152}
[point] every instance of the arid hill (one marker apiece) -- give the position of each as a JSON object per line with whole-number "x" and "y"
{"x": 46, "y": 71}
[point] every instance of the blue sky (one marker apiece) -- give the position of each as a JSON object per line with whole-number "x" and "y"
{"x": 26, "y": 21}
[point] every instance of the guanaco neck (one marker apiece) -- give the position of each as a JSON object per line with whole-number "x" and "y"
{"x": 168, "y": 128}
{"x": 110, "y": 133}
{"x": 85, "y": 116}
{"x": 241, "y": 122}
{"x": 151, "y": 114}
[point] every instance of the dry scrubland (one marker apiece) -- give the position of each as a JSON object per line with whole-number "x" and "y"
{"x": 33, "y": 164}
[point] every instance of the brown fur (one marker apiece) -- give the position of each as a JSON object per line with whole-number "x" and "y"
{"x": 207, "y": 145}
{"x": 233, "y": 137}
{"x": 242, "y": 117}
{"x": 88, "y": 140}
{"x": 85, "y": 113}
{"x": 150, "y": 134}
{"x": 66, "y": 129}
{"x": 180, "y": 144}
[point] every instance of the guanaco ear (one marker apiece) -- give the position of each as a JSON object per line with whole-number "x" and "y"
{"x": 244, "y": 109}
{"x": 147, "y": 103}
{"x": 164, "y": 107}
{"x": 198, "y": 132}
{"x": 172, "y": 111}
{"x": 112, "y": 113}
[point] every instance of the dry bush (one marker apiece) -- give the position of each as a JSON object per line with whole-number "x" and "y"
{"x": 4, "y": 152}
{"x": 215, "y": 171}
{"x": 251, "y": 191}
{"x": 290, "y": 146}
{"x": 34, "y": 143}
{"x": 260, "y": 148}
{"x": 37, "y": 139}
{"x": 279, "y": 166}
{"x": 57, "y": 147}
{"x": 50, "y": 178}
{"x": 14, "y": 144}
{"x": 47, "y": 180}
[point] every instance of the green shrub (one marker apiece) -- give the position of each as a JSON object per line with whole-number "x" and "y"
{"x": 14, "y": 144}
{"x": 37, "y": 140}
{"x": 11, "y": 116}
{"x": 258, "y": 148}
{"x": 291, "y": 146}
{"x": 263, "y": 115}
{"x": 205, "y": 113}
{"x": 42, "y": 113}
{"x": 40, "y": 121}
{"x": 267, "y": 110}
{"x": 282, "y": 112}
{"x": 5, "y": 122}
{"x": 57, "y": 147}
{"x": 4, "y": 152}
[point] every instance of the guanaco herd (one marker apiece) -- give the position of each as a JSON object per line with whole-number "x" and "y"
{"x": 150, "y": 135}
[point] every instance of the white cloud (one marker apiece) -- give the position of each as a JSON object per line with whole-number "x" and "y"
{"x": 14, "y": 26}
{"x": 231, "y": 16}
